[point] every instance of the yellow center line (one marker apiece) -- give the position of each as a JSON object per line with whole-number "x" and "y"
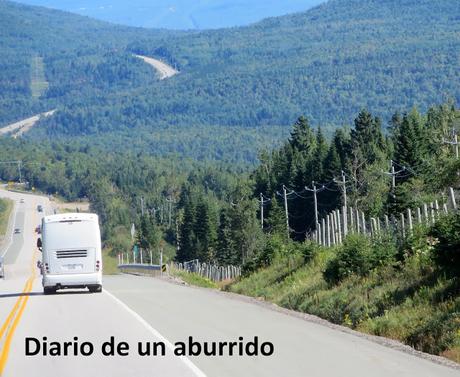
{"x": 15, "y": 315}
{"x": 13, "y": 311}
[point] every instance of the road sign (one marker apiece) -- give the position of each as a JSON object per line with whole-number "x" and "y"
{"x": 163, "y": 268}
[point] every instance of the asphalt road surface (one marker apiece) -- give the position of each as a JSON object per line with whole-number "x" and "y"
{"x": 136, "y": 309}
{"x": 164, "y": 70}
{"x": 18, "y": 128}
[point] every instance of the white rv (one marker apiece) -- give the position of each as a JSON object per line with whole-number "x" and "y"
{"x": 71, "y": 248}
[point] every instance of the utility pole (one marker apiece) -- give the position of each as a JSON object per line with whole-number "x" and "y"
{"x": 19, "y": 168}
{"x": 393, "y": 176}
{"x": 169, "y": 200}
{"x": 316, "y": 204}
{"x": 262, "y": 211}
{"x": 456, "y": 146}
{"x": 286, "y": 210}
{"x": 454, "y": 142}
{"x": 344, "y": 183}
{"x": 19, "y": 164}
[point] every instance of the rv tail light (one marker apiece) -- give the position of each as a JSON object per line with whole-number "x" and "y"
{"x": 98, "y": 265}
{"x": 47, "y": 267}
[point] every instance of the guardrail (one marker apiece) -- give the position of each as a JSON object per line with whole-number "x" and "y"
{"x": 141, "y": 269}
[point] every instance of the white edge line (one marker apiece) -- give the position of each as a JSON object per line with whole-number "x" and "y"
{"x": 197, "y": 371}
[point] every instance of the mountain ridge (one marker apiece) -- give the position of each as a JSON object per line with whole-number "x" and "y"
{"x": 326, "y": 63}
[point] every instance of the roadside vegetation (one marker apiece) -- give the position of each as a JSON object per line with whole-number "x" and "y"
{"x": 408, "y": 292}
{"x": 109, "y": 263}
{"x": 193, "y": 279}
{"x": 407, "y": 289}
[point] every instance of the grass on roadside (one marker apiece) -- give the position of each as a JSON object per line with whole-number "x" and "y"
{"x": 413, "y": 301}
{"x": 109, "y": 263}
{"x": 6, "y": 205}
{"x": 193, "y": 279}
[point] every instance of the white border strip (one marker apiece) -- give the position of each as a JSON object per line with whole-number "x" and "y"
{"x": 198, "y": 372}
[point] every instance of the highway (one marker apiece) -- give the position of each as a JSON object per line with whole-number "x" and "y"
{"x": 18, "y": 128}
{"x": 136, "y": 309}
{"x": 164, "y": 70}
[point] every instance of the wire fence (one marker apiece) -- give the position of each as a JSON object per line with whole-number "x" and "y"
{"x": 210, "y": 271}
{"x": 332, "y": 229}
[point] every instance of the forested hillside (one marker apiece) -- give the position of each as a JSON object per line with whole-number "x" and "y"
{"x": 172, "y": 156}
{"x": 401, "y": 286}
{"x": 326, "y": 63}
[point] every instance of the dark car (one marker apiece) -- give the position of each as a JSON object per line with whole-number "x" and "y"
{"x": 17, "y": 231}
{"x": 40, "y": 208}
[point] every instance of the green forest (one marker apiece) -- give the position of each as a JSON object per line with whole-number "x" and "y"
{"x": 211, "y": 211}
{"x": 328, "y": 62}
{"x": 218, "y": 163}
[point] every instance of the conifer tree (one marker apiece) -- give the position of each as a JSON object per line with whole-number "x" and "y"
{"x": 225, "y": 243}
{"x": 276, "y": 218}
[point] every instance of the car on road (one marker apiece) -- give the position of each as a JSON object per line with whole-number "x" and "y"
{"x": 71, "y": 252}
{"x": 17, "y": 231}
{"x": 40, "y": 208}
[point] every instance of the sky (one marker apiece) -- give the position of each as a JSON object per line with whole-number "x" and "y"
{"x": 179, "y": 14}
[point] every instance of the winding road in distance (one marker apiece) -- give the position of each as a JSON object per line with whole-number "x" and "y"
{"x": 133, "y": 309}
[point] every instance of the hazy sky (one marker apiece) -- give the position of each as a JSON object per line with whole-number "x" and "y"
{"x": 179, "y": 14}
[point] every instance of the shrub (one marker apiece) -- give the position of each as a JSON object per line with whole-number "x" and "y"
{"x": 308, "y": 250}
{"x": 359, "y": 255}
{"x": 354, "y": 257}
{"x": 446, "y": 242}
{"x": 384, "y": 251}
{"x": 275, "y": 246}
{"x": 417, "y": 243}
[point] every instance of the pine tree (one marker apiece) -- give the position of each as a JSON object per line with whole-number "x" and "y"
{"x": 302, "y": 137}
{"x": 188, "y": 238}
{"x": 410, "y": 141}
{"x": 332, "y": 163}
{"x": 342, "y": 146}
{"x": 319, "y": 156}
{"x": 276, "y": 218}
{"x": 225, "y": 243}
{"x": 205, "y": 231}
{"x": 367, "y": 137}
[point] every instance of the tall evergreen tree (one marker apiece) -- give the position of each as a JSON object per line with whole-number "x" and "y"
{"x": 410, "y": 143}
{"x": 187, "y": 250}
{"x": 320, "y": 156}
{"x": 367, "y": 137}
{"x": 225, "y": 242}
{"x": 276, "y": 220}
{"x": 205, "y": 230}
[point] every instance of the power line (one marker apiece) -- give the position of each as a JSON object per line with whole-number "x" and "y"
{"x": 453, "y": 142}
{"x": 19, "y": 163}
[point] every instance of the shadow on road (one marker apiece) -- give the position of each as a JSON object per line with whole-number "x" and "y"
{"x": 8, "y": 295}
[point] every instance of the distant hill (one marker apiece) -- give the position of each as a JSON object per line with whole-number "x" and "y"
{"x": 179, "y": 14}
{"x": 326, "y": 63}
